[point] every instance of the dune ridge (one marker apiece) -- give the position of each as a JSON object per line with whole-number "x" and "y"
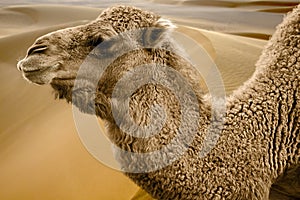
{"x": 228, "y": 4}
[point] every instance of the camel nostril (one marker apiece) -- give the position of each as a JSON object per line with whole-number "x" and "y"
{"x": 37, "y": 49}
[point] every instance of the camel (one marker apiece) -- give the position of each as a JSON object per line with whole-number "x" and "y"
{"x": 257, "y": 155}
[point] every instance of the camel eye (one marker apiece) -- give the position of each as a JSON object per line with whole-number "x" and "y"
{"x": 94, "y": 41}
{"x": 37, "y": 49}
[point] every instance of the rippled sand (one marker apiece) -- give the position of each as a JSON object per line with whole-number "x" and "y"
{"x": 41, "y": 156}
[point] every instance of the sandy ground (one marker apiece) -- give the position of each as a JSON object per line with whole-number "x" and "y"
{"x": 41, "y": 156}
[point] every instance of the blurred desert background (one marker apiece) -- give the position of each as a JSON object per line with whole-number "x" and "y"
{"x": 41, "y": 155}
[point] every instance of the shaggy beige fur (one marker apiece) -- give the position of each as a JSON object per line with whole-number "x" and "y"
{"x": 258, "y": 152}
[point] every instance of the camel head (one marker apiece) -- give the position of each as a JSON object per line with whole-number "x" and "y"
{"x": 148, "y": 79}
{"x": 56, "y": 57}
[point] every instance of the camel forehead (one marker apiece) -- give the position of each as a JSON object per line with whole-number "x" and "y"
{"x": 49, "y": 38}
{"x": 64, "y": 37}
{"x": 67, "y": 33}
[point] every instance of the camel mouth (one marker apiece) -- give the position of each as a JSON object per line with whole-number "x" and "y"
{"x": 34, "y": 72}
{"x": 38, "y": 75}
{"x": 31, "y": 70}
{"x": 64, "y": 79}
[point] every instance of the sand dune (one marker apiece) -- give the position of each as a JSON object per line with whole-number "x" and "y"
{"x": 230, "y": 4}
{"x": 41, "y": 156}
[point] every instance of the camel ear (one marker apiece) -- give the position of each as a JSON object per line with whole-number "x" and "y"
{"x": 153, "y": 35}
{"x": 165, "y": 23}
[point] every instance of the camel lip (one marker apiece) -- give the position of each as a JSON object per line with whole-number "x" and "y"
{"x": 63, "y": 81}
{"x": 31, "y": 70}
{"x": 34, "y": 72}
{"x": 67, "y": 78}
